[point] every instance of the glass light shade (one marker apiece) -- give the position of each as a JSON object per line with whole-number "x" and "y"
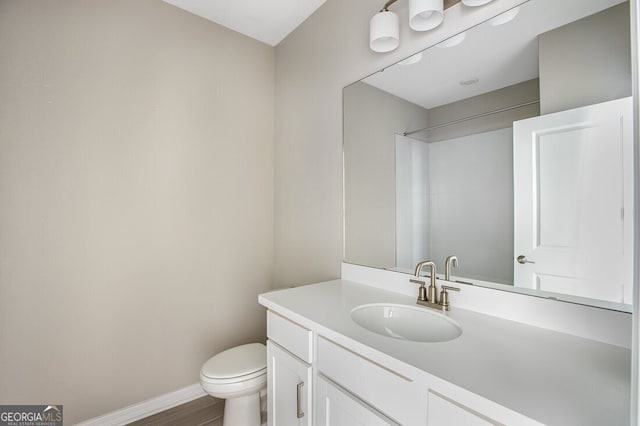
{"x": 453, "y": 41}
{"x": 425, "y": 14}
{"x": 412, "y": 59}
{"x": 384, "y": 31}
{"x": 474, "y": 3}
{"x": 505, "y": 17}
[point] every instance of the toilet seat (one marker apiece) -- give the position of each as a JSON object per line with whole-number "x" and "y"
{"x": 237, "y": 375}
{"x": 230, "y": 380}
{"x": 235, "y": 365}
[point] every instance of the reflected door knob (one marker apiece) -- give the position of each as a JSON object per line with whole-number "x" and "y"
{"x": 523, "y": 259}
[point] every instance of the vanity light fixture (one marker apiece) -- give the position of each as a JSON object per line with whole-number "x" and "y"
{"x": 425, "y": 15}
{"x": 384, "y": 27}
{"x": 384, "y": 30}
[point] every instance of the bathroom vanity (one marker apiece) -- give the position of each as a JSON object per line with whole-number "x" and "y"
{"x": 325, "y": 369}
{"x": 493, "y": 167}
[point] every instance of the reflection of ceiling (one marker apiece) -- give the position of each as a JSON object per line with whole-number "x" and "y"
{"x": 497, "y": 56}
{"x": 267, "y": 21}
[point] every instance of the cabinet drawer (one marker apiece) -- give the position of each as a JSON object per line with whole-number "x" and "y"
{"x": 291, "y": 336}
{"x": 460, "y": 407}
{"x": 444, "y": 411}
{"x": 393, "y": 394}
{"x": 335, "y": 407}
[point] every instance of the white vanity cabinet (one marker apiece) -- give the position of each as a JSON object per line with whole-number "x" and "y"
{"x": 289, "y": 373}
{"x": 312, "y": 380}
{"x": 324, "y": 369}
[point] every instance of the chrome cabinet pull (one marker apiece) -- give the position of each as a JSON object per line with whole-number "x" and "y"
{"x": 523, "y": 259}
{"x": 300, "y": 413}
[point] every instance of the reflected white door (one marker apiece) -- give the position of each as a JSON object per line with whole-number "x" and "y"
{"x": 573, "y": 177}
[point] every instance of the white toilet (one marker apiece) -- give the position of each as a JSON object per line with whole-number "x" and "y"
{"x": 237, "y": 375}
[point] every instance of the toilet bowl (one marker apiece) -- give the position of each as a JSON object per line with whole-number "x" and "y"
{"x": 237, "y": 375}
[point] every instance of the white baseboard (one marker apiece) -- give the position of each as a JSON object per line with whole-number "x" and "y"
{"x": 147, "y": 408}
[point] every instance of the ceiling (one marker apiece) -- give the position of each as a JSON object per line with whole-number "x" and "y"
{"x": 267, "y": 21}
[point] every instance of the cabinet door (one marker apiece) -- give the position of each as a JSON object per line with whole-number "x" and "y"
{"x": 444, "y": 412}
{"x": 288, "y": 388}
{"x": 333, "y": 407}
{"x": 394, "y": 393}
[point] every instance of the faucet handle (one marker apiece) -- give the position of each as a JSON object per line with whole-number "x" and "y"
{"x": 444, "y": 296}
{"x": 422, "y": 292}
{"x": 447, "y": 287}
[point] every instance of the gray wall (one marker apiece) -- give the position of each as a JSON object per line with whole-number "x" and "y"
{"x": 136, "y": 199}
{"x": 586, "y": 62}
{"x": 372, "y": 118}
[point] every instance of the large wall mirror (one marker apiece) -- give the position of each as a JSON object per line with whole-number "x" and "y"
{"x": 509, "y": 146}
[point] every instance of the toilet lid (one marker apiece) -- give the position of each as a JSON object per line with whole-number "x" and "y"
{"x": 239, "y": 361}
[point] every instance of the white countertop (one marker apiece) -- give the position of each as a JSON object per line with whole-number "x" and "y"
{"x": 551, "y": 377}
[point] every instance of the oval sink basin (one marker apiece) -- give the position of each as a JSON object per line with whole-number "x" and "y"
{"x": 406, "y": 322}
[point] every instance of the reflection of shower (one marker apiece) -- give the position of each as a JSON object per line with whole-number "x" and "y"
{"x": 455, "y": 196}
{"x": 412, "y": 201}
{"x": 473, "y": 117}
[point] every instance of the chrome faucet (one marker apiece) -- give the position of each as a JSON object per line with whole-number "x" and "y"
{"x": 429, "y": 297}
{"x": 451, "y": 261}
{"x": 422, "y": 292}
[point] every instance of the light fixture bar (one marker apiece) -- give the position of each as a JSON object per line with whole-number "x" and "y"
{"x": 387, "y": 4}
{"x": 447, "y": 4}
